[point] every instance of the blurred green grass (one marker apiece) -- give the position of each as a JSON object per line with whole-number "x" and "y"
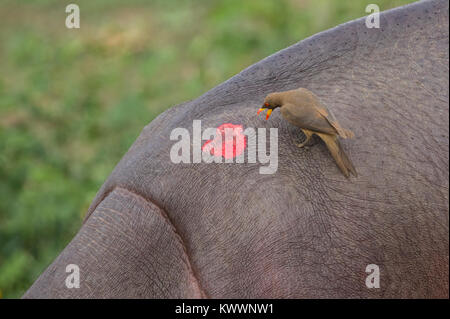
{"x": 73, "y": 101}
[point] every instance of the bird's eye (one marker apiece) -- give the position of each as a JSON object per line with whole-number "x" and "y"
{"x": 266, "y": 104}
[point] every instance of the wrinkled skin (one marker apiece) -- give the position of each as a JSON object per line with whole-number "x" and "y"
{"x": 158, "y": 229}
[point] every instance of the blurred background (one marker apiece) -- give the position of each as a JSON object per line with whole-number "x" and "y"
{"x": 72, "y": 101}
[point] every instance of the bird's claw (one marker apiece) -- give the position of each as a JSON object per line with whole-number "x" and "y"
{"x": 306, "y": 143}
{"x": 301, "y": 145}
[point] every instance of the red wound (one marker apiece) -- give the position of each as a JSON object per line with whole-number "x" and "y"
{"x": 233, "y": 142}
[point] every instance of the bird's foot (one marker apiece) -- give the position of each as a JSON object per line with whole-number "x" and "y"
{"x": 307, "y": 142}
{"x": 301, "y": 145}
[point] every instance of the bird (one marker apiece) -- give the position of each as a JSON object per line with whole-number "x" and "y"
{"x": 302, "y": 108}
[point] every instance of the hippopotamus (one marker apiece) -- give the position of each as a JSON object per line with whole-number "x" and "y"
{"x": 164, "y": 229}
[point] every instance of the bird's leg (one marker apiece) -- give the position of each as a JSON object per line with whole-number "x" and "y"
{"x": 308, "y": 135}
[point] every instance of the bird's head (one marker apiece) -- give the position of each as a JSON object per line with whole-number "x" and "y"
{"x": 271, "y": 102}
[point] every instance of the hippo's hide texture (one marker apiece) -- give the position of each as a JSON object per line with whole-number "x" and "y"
{"x": 159, "y": 229}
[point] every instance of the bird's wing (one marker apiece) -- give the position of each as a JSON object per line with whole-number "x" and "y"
{"x": 309, "y": 118}
{"x": 332, "y": 120}
{"x": 310, "y": 102}
{"x": 327, "y": 115}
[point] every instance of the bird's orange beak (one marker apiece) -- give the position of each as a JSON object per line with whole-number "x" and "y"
{"x": 268, "y": 112}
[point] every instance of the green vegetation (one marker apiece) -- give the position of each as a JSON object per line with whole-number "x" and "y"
{"x": 73, "y": 101}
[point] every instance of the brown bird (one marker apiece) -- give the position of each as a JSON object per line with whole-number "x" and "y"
{"x": 303, "y": 108}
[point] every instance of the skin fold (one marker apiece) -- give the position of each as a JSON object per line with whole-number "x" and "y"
{"x": 162, "y": 230}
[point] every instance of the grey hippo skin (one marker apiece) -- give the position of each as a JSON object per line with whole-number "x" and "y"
{"x": 162, "y": 230}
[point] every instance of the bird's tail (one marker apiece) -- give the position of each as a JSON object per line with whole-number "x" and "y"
{"x": 335, "y": 148}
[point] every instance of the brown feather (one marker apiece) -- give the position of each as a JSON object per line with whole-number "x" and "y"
{"x": 303, "y": 109}
{"x": 335, "y": 148}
